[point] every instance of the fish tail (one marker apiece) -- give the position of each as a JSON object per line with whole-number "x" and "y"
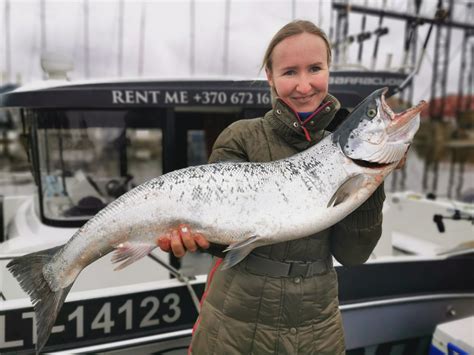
{"x": 28, "y": 270}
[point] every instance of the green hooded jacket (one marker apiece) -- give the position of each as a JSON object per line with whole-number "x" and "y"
{"x": 283, "y": 298}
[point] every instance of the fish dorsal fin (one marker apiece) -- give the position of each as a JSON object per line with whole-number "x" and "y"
{"x": 128, "y": 253}
{"x": 348, "y": 187}
{"x": 238, "y": 251}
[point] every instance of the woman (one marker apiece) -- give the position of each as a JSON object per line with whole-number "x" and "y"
{"x": 282, "y": 298}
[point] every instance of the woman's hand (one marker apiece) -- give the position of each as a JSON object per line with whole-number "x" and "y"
{"x": 181, "y": 239}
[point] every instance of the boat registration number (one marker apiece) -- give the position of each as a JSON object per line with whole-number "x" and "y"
{"x": 101, "y": 320}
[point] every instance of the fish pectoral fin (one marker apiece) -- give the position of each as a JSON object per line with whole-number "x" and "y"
{"x": 128, "y": 253}
{"x": 348, "y": 187}
{"x": 238, "y": 251}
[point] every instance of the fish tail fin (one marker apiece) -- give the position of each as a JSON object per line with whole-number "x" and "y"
{"x": 28, "y": 270}
{"x": 238, "y": 251}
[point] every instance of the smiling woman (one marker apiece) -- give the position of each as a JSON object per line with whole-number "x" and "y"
{"x": 282, "y": 298}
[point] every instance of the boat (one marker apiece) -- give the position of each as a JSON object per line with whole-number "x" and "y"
{"x": 89, "y": 142}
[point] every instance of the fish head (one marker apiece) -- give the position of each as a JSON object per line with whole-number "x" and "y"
{"x": 376, "y": 136}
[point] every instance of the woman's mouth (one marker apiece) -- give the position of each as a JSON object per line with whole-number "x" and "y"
{"x": 303, "y": 99}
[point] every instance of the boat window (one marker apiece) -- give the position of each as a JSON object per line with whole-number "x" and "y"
{"x": 197, "y": 150}
{"x": 89, "y": 158}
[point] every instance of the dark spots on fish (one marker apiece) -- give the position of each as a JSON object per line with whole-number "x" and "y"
{"x": 240, "y": 189}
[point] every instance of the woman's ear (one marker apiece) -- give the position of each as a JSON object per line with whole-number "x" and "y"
{"x": 269, "y": 74}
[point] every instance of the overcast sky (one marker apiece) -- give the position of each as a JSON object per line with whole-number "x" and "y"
{"x": 166, "y": 29}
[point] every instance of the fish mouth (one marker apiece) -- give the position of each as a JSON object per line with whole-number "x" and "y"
{"x": 401, "y": 119}
{"x": 370, "y": 164}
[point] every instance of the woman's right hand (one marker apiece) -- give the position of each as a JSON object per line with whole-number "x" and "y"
{"x": 181, "y": 239}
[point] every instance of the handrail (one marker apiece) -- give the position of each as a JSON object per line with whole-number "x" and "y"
{"x": 185, "y": 279}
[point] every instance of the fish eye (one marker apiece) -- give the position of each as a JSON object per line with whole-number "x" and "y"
{"x": 371, "y": 112}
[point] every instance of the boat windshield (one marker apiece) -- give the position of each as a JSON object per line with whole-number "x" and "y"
{"x": 87, "y": 158}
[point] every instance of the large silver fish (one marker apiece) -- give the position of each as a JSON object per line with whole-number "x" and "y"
{"x": 243, "y": 205}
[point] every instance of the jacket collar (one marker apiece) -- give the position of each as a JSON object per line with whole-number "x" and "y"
{"x": 302, "y": 134}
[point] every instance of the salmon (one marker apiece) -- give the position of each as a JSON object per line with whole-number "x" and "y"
{"x": 240, "y": 204}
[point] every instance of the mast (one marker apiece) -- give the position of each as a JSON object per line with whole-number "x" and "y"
{"x": 7, "y": 77}
{"x": 379, "y": 32}
{"x": 411, "y": 41}
{"x": 440, "y": 61}
{"x": 466, "y": 58}
{"x": 320, "y": 14}
{"x": 120, "y": 39}
{"x": 192, "y": 38}
{"x": 361, "y": 41}
{"x": 141, "y": 41}
{"x": 463, "y": 103}
{"x": 409, "y": 61}
{"x": 342, "y": 28}
{"x": 225, "y": 57}
{"x": 86, "y": 39}
{"x": 43, "y": 44}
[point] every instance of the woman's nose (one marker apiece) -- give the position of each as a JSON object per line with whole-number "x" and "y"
{"x": 303, "y": 86}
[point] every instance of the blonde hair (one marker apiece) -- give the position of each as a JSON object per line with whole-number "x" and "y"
{"x": 291, "y": 29}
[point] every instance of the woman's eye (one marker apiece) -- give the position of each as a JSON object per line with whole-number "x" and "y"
{"x": 289, "y": 72}
{"x": 315, "y": 69}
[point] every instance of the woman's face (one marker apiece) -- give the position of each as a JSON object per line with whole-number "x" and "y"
{"x": 300, "y": 72}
